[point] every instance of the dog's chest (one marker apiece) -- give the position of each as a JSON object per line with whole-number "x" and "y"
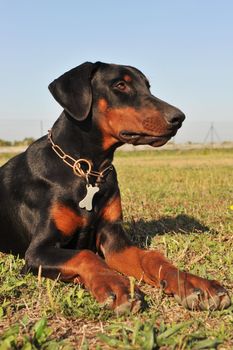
{"x": 92, "y": 196}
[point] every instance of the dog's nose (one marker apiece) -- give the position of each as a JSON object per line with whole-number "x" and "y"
{"x": 176, "y": 119}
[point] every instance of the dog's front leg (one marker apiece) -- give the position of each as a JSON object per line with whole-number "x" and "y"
{"x": 152, "y": 267}
{"x": 84, "y": 266}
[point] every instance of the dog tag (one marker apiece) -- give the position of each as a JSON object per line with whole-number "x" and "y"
{"x": 86, "y": 203}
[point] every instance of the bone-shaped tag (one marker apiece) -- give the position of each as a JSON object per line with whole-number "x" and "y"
{"x": 86, "y": 202}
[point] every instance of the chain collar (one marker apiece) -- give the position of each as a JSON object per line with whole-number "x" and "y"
{"x": 78, "y": 164}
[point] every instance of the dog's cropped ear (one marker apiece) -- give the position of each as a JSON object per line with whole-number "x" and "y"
{"x": 72, "y": 90}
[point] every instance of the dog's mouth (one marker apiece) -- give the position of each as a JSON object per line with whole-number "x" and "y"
{"x": 144, "y": 139}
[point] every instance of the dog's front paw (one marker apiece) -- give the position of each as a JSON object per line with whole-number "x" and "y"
{"x": 196, "y": 293}
{"x": 113, "y": 291}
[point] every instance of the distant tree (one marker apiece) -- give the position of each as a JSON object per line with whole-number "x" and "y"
{"x": 25, "y": 142}
{"x": 5, "y": 143}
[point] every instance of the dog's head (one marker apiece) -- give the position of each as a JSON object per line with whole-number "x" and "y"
{"x": 120, "y": 103}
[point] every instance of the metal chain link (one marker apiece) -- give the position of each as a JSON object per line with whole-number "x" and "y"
{"x": 76, "y": 164}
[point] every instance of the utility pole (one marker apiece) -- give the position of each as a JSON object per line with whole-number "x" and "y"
{"x": 211, "y": 134}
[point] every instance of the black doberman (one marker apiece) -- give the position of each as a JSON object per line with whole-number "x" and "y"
{"x": 60, "y": 201}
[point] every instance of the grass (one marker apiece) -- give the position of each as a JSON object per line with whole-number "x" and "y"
{"x": 175, "y": 201}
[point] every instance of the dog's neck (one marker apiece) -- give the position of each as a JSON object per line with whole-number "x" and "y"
{"x": 81, "y": 140}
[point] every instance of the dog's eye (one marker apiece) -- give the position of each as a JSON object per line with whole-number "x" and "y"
{"x": 121, "y": 86}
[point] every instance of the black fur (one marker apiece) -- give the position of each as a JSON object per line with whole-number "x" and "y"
{"x": 33, "y": 181}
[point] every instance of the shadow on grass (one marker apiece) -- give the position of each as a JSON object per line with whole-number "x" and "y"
{"x": 143, "y": 231}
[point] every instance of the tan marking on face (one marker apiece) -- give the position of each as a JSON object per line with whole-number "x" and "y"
{"x": 66, "y": 220}
{"x": 158, "y": 128}
{"x": 102, "y": 105}
{"x": 114, "y": 120}
{"x": 113, "y": 210}
{"x": 127, "y": 78}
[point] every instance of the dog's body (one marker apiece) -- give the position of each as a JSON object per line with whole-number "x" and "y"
{"x": 42, "y": 189}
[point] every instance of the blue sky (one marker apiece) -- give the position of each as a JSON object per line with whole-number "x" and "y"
{"x": 184, "y": 47}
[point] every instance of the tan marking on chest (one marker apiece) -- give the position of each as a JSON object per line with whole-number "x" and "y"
{"x": 113, "y": 210}
{"x": 66, "y": 220}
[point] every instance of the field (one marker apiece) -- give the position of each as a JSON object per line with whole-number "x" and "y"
{"x": 180, "y": 202}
